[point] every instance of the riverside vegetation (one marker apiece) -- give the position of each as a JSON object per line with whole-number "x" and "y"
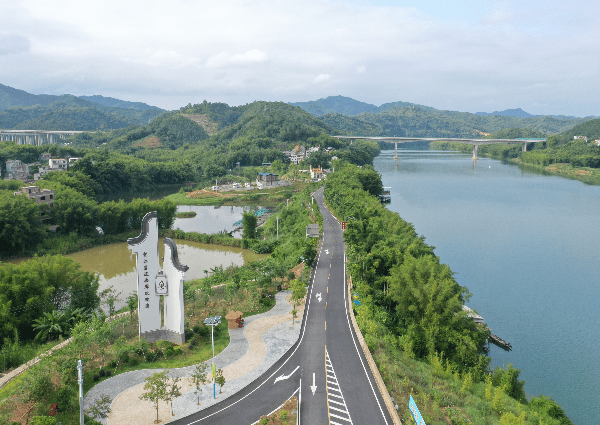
{"x": 561, "y": 154}
{"x": 439, "y": 360}
{"x": 411, "y": 317}
{"x": 109, "y": 348}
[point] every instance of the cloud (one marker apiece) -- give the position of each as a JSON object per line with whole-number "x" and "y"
{"x": 240, "y": 51}
{"x": 223, "y": 59}
{"x": 322, "y": 78}
{"x": 11, "y": 43}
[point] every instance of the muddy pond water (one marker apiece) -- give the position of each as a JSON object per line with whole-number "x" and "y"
{"x": 115, "y": 264}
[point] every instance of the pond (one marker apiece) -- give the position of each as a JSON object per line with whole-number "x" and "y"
{"x": 116, "y": 265}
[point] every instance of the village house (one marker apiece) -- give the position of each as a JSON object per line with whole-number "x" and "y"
{"x": 316, "y": 173}
{"x": 57, "y": 164}
{"x": 266, "y": 179}
{"x": 40, "y": 196}
{"x": 15, "y": 169}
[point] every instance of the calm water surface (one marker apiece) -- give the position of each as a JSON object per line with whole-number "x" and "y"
{"x": 528, "y": 247}
{"x": 209, "y": 219}
{"x": 116, "y": 265}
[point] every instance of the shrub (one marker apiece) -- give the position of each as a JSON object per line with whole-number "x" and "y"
{"x": 134, "y": 361}
{"x": 124, "y": 357}
{"x": 101, "y": 373}
{"x": 66, "y": 398}
{"x": 177, "y": 351}
{"x": 112, "y": 364}
{"x": 43, "y": 420}
{"x": 96, "y": 377}
{"x": 204, "y": 331}
{"x": 169, "y": 351}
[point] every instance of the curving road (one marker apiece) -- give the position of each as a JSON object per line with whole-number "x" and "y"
{"x": 326, "y": 366}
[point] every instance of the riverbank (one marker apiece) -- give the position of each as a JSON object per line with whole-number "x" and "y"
{"x": 583, "y": 174}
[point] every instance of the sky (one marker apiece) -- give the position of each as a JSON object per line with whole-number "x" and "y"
{"x": 463, "y": 55}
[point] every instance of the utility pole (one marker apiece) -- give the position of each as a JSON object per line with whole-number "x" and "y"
{"x": 277, "y": 227}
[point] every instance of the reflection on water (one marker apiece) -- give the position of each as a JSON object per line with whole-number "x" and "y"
{"x": 209, "y": 219}
{"x": 116, "y": 265}
{"x": 526, "y": 246}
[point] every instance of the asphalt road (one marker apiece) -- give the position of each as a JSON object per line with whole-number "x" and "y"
{"x": 325, "y": 367}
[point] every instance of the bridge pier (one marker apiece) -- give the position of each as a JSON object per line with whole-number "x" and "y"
{"x": 475, "y": 151}
{"x": 395, "y": 150}
{"x": 525, "y": 147}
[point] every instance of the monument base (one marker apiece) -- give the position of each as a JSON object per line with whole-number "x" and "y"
{"x": 165, "y": 335}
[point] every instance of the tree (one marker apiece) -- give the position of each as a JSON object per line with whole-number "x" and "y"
{"x": 20, "y": 226}
{"x": 249, "y": 221}
{"x": 298, "y": 292}
{"x": 132, "y": 304}
{"x": 42, "y": 285}
{"x": 74, "y": 212}
{"x": 220, "y": 379}
{"x": 108, "y": 297}
{"x": 156, "y": 389}
{"x": 199, "y": 378}
{"x": 40, "y": 386}
{"x": 173, "y": 391}
{"x": 101, "y": 408}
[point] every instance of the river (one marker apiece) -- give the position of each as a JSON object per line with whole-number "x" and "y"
{"x": 527, "y": 247}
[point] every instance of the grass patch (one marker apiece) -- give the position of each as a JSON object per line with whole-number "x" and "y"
{"x": 286, "y": 414}
{"x": 186, "y": 214}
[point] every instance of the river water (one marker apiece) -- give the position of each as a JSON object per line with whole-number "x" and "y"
{"x": 527, "y": 247}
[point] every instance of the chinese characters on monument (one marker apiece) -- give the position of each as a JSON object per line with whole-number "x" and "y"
{"x": 154, "y": 284}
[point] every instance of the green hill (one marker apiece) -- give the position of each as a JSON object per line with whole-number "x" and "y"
{"x": 22, "y": 110}
{"x": 419, "y": 121}
{"x": 335, "y": 104}
{"x": 116, "y": 103}
{"x": 84, "y": 119}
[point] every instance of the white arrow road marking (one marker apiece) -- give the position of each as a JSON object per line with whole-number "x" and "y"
{"x": 313, "y": 387}
{"x": 326, "y": 251}
{"x": 283, "y": 377}
{"x": 319, "y": 296}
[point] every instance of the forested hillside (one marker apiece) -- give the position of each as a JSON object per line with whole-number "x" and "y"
{"x": 24, "y": 111}
{"x": 417, "y": 121}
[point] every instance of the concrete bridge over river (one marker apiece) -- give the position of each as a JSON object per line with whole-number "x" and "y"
{"x": 35, "y": 137}
{"x": 475, "y": 142}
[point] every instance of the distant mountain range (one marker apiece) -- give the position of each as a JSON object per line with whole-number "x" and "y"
{"x": 21, "y": 110}
{"x": 336, "y": 115}
{"x": 352, "y": 117}
{"x": 348, "y": 106}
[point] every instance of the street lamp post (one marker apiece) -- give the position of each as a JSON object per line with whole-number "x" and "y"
{"x": 212, "y": 322}
{"x": 80, "y": 382}
{"x": 302, "y": 277}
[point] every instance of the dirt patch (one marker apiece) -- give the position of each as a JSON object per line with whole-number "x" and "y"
{"x": 149, "y": 142}
{"x": 203, "y": 193}
{"x": 202, "y": 120}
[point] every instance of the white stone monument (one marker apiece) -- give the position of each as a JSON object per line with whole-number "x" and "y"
{"x": 153, "y": 283}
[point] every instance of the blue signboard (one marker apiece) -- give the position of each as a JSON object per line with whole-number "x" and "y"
{"x": 415, "y": 412}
